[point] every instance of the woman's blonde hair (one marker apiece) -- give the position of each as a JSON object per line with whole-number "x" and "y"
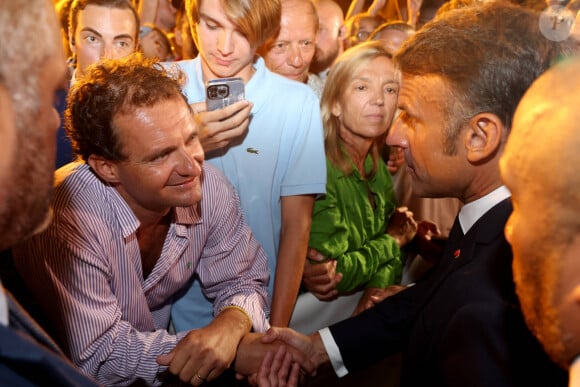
{"x": 339, "y": 76}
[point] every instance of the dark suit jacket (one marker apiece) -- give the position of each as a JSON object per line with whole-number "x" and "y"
{"x": 23, "y": 362}
{"x": 461, "y": 325}
{"x": 28, "y": 356}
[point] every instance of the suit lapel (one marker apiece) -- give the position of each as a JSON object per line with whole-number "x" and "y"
{"x": 462, "y": 249}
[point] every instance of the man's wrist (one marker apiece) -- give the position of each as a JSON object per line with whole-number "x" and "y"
{"x": 319, "y": 355}
{"x": 239, "y": 314}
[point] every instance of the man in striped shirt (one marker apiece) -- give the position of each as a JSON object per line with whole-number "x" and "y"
{"x": 132, "y": 224}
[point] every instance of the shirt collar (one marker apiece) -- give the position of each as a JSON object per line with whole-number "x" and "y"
{"x": 471, "y": 212}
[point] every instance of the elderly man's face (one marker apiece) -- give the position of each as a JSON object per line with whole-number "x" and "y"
{"x": 291, "y": 53}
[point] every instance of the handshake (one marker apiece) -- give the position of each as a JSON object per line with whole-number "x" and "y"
{"x": 279, "y": 357}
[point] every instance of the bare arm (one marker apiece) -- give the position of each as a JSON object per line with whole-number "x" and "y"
{"x": 296, "y": 220}
{"x": 147, "y": 11}
{"x": 376, "y": 6}
{"x": 356, "y": 7}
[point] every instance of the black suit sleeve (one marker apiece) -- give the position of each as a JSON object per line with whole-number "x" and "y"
{"x": 378, "y": 332}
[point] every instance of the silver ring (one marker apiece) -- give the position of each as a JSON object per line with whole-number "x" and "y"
{"x": 200, "y": 378}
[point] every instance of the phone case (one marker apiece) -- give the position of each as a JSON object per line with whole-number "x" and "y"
{"x": 222, "y": 92}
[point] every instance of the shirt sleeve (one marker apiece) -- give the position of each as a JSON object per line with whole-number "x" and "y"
{"x": 74, "y": 285}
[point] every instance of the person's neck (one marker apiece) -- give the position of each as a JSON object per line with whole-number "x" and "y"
{"x": 358, "y": 155}
{"x": 147, "y": 217}
{"x": 485, "y": 179}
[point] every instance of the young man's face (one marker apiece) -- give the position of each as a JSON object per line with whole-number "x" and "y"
{"x": 103, "y": 32}
{"x": 224, "y": 51}
{"x": 164, "y": 157}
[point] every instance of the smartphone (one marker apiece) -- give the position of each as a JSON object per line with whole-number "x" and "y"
{"x": 222, "y": 92}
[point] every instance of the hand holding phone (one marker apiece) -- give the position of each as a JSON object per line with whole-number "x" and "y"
{"x": 224, "y": 115}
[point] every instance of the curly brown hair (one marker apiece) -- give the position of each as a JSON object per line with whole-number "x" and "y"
{"x": 113, "y": 87}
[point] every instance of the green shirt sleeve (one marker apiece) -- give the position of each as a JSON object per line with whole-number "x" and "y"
{"x": 350, "y": 227}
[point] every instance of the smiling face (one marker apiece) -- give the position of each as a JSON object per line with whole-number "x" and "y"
{"x": 420, "y": 130}
{"x": 368, "y": 103}
{"x": 163, "y": 158}
{"x": 102, "y": 32}
{"x": 291, "y": 52}
{"x": 224, "y": 50}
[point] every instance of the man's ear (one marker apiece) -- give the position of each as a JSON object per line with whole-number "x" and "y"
{"x": 342, "y": 32}
{"x": 484, "y": 137}
{"x": 105, "y": 169}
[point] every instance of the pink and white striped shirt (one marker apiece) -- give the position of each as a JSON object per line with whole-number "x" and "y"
{"x": 85, "y": 271}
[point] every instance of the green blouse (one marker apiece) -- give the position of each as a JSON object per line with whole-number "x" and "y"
{"x": 348, "y": 227}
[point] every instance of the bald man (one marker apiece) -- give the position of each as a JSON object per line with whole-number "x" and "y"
{"x": 290, "y": 53}
{"x": 331, "y": 36}
{"x": 540, "y": 167}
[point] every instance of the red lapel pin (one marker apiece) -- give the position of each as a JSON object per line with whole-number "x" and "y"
{"x": 456, "y": 253}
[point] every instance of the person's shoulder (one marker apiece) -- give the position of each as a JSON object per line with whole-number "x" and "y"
{"x": 73, "y": 174}
{"x": 183, "y": 65}
{"x": 298, "y": 89}
{"x": 187, "y": 69}
{"x": 76, "y": 183}
{"x": 214, "y": 179}
{"x": 286, "y": 89}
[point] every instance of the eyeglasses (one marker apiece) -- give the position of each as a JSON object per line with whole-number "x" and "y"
{"x": 363, "y": 35}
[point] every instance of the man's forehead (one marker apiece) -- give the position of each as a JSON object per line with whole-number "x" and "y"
{"x": 420, "y": 86}
{"x": 104, "y": 15}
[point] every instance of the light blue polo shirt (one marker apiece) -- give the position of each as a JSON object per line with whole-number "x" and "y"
{"x": 281, "y": 155}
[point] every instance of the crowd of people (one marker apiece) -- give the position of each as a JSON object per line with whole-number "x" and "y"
{"x": 398, "y": 179}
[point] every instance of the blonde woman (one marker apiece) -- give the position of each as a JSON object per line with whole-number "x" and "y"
{"x": 354, "y": 252}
